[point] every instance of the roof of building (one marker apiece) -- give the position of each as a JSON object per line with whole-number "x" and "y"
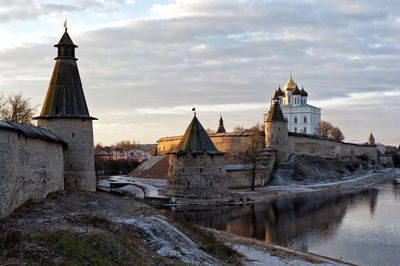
{"x": 298, "y": 105}
{"x": 280, "y": 92}
{"x": 31, "y": 131}
{"x": 65, "y": 97}
{"x": 245, "y": 133}
{"x": 65, "y": 40}
{"x": 221, "y": 128}
{"x": 296, "y": 91}
{"x": 196, "y": 140}
{"x": 275, "y": 113}
{"x": 276, "y": 96}
{"x": 290, "y": 85}
{"x": 303, "y": 92}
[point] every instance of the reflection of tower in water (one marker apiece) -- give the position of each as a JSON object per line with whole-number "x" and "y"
{"x": 293, "y": 221}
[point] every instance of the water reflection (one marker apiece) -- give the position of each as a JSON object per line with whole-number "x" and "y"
{"x": 362, "y": 227}
{"x": 284, "y": 220}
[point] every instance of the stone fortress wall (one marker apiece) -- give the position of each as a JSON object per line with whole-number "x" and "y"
{"x": 302, "y": 144}
{"x": 79, "y": 157}
{"x": 196, "y": 176}
{"x": 233, "y": 144}
{"x": 30, "y": 168}
{"x": 298, "y": 144}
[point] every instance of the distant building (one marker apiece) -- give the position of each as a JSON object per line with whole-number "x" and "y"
{"x": 221, "y": 128}
{"x": 371, "y": 140}
{"x": 301, "y": 116}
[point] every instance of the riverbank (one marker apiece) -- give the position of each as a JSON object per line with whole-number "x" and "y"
{"x": 72, "y": 227}
{"x": 350, "y": 185}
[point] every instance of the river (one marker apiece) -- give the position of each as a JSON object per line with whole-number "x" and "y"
{"x": 361, "y": 228}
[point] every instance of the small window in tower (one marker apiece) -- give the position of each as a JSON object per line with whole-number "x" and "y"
{"x": 277, "y": 142}
{"x": 211, "y": 183}
{"x": 305, "y": 119}
{"x": 73, "y": 134}
{"x": 171, "y": 169}
{"x": 279, "y": 129}
{"x": 295, "y": 120}
{"x": 220, "y": 170}
{"x": 201, "y": 170}
{"x": 183, "y": 170}
{"x": 188, "y": 183}
{"x": 83, "y": 122}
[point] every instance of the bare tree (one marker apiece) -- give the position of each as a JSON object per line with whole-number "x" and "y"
{"x": 16, "y": 108}
{"x": 238, "y": 129}
{"x": 209, "y": 130}
{"x": 128, "y": 145}
{"x": 337, "y": 134}
{"x": 327, "y": 130}
{"x": 255, "y": 145}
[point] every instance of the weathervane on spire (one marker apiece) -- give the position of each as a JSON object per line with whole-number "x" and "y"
{"x": 194, "y": 110}
{"x": 65, "y": 25}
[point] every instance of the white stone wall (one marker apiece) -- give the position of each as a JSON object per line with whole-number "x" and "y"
{"x": 29, "y": 169}
{"x": 311, "y": 113}
{"x": 79, "y": 156}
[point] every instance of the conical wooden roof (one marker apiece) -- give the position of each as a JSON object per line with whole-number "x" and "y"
{"x": 65, "y": 97}
{"x": 275, "y": 114}
{"x": 221, "y": 128}
{"x": 196, "y": 140}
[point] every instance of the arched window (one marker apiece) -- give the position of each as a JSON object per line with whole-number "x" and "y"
{"x": 305, "y": 119}
{"x": 295, "y": 120}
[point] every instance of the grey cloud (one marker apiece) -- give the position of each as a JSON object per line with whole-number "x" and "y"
{"x": 228, "y": 52}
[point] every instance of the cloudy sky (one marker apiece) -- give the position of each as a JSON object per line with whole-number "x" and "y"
{"x": 144, "y": 64}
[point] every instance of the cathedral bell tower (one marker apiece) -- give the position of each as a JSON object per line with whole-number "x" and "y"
{"x": 65, "y": 113}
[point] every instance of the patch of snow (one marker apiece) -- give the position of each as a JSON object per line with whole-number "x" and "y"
{"x": 168, "y": 241}
{"x": 237, "y": 167}
{"x": 149, "y": 190}
{"x": 261, "y": 256}
{"x": 131, "y": 190}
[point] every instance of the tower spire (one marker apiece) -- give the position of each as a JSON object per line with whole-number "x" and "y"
{"x": 221, "y": 128}
{"x": 65, "y": 97}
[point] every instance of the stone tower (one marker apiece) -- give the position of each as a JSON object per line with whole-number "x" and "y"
{"x": 65, "y": 113}
{"x": 371, "y": 140}
{"x": 196, "y": 168}
{"x": 276, "y": 130}
{"x": 221, "y": 128}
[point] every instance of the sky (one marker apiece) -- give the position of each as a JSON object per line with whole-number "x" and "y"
{"x": 144, "y": 64}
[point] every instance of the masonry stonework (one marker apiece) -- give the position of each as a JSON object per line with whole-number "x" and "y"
{"x": 197, "y": 176}
{"x": 30, "y": 169}
{"x": 79, "y": 169}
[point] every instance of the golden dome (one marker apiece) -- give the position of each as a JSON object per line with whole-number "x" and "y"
{"x": 290, "y": 85}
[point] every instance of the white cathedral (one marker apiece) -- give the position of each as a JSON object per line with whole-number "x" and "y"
{"x": 301, "y": 117}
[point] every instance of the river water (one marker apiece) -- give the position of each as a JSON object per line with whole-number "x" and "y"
{"x": 362, "y": 228}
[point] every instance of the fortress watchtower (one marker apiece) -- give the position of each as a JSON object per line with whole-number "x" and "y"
{"x": 65, "y": 113}
{"x": 276, "y": 130}
{"x": 196, "y": 167}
